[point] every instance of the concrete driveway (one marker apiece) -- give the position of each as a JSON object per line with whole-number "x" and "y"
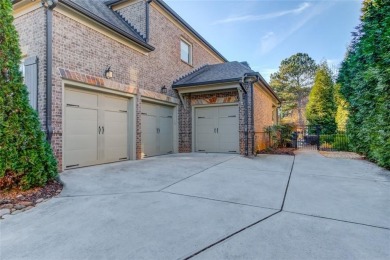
{"x": 210, "y": 206}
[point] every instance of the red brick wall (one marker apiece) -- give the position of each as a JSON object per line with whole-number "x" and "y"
{"x": 79, "y": 48}
{"x": 32, "y": 39}
{"x": 135, "y": 14}
{"x": 264, "y": 115}
{"x": 185, "y": 116}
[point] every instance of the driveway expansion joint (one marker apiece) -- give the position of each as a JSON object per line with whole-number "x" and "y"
{"x": 212, "y": 166}
{"x": 230, "y": 236}
{"x": 335, "y": 219}
{"x": 288, "y": 184}
{"x": 249, "y": 226}
{"x": 342, "y": 177}
{"x": 217, "y": 200}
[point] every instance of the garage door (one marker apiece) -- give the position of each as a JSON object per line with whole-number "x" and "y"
{"x": 157, "y": 129}
{"x": 216, "y": 129}
{"x": 96, "y": 128}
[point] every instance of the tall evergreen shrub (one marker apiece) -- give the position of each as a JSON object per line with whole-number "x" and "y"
{"x": 26, "y": 159}
{"x": 321, "y": 108}
{"x": 365, "y": 83}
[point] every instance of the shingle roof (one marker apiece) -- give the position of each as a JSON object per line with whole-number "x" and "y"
{"x": 100, "y": 10}
{"x": 224, "y": 72}
{"x": 220, "y": 73}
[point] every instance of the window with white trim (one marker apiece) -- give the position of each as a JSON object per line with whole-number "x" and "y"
{"x": 186, "y": 52}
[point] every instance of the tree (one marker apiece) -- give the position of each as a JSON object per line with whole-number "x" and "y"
{"x": 26, "y": 159}
{"x": 321, "y": 108}
{"x": 292, "y": 83}
{"x": 365, "y": 83}
{"x": 342, "y": 109}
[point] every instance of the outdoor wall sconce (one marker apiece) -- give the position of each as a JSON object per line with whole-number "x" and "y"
{"x": 49, "y": 3}
{"x": 108, "y": 73}
{"x": 164, "y": 90}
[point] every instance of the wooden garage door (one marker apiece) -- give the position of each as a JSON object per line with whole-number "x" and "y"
{"x": 157, "y": 129}
{"x": 96, "y": 128}
{"x": 216, "y": 129}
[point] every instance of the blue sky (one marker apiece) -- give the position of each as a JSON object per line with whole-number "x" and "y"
{"x": 266, "y": 32}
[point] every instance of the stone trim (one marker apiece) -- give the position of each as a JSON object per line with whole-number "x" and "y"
{"x": 102, "y": 82}
{"x": 95, "y": 81}
{"x": 158, "y": 96}
{"x": 215, "y": 98}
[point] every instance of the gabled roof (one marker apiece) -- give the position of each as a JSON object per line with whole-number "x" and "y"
{"x": 99, "y": 11}
{"x": 212, "y": 74}
{"x": 177, "y": 18}
{"x": 228, "y": 72}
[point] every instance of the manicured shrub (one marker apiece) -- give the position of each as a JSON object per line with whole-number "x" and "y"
{"x": 280, "y": 135}
{"x": 26, "y": 159}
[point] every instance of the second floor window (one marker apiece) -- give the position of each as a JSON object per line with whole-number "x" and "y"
{"x": 186, "y": 52}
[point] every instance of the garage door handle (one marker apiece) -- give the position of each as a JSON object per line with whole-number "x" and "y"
{"x": 217, "y": 130}
{"x": 99, "y": 130}
{"x": 102, "y": 130}
{"x": 71, "y": 105}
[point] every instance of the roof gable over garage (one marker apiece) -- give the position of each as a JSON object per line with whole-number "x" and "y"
{"x": 228, "y": 72}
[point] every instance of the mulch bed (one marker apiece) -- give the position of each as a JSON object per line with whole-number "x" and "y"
{"x": 281, "y": 151}
{"x": 16, "y": 201}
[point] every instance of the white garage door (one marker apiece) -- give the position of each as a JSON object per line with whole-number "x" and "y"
{"x": 216, "y": 129}
{"x": 157, "y": 129}
{"x": 96, "y": 128}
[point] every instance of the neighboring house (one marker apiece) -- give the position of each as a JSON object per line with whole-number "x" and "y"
{"x": 119, "y": 80}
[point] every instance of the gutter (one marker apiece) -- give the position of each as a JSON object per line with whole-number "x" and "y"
{"x": 49, "y": 71}
{"x": 235, "y": 80}
{"x": 246, "y": 133}
{"x": 107, "y": 24}
{"x": 262, "y": 80}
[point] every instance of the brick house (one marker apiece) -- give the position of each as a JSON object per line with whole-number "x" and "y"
{"x": 128, "y": 79}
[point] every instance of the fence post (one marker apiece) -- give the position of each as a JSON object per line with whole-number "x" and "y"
{"x": 295, "y": 140}
{"x": 318, "y": 131}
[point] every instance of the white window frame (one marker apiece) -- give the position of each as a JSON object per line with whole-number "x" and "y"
{"x": 189, "y": 51}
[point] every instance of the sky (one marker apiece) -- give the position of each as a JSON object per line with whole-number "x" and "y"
{"x": 264, "y": 32}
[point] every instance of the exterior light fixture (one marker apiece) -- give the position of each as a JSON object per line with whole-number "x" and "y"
{"x": 164, "y": 90}
{"x": 108, "y": 73}
{"x": 51, "y": 4}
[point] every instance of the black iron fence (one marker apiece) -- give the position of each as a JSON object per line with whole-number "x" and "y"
{"x": 310, "y": 137}
{"x": 313, "y": 137}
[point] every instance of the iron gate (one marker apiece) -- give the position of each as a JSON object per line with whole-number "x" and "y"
{"x": 307, "y": 137}
{"x": 312, "y": 137}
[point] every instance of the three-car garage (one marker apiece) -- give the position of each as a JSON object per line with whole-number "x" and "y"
{"x": 100, "y": 127}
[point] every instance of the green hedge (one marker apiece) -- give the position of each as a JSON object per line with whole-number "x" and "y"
{"x": 365, "y": 83}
